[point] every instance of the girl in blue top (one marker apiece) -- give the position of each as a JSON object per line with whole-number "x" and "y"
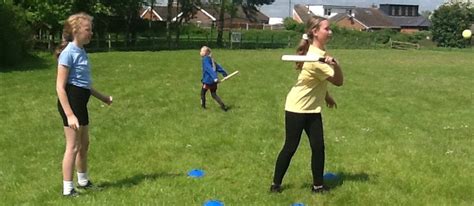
{"x": 209, "y": 77}
{"x": 73, "y": 86}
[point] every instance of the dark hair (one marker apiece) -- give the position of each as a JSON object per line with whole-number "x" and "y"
{"x": 312, "y": 23}
{"x": 71, "y": 25}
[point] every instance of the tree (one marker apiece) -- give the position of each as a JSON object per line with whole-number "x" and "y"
{"x": 169, "y": 7}
{"x": 426, "y": 14}
{"x": 255, "y": 3}
{"x": 14, "y": 35}
{"x": 48, "y": 13}
{"x": 186, "y": 10}
{"x": 220, "y": 28}
{"x": 229, "y": 6}
{"x": 127, "y": 10}
{"x": 448, "y": 22}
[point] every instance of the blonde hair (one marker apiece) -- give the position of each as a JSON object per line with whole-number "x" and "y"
{"x": 71, "y": 25}
{"x": 312, "y": 23}
{"x": 208, "y": 49}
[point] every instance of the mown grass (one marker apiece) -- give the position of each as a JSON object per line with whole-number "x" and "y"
{"x": 402, "y": 133}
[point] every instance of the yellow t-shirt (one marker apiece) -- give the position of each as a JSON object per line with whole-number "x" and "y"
{"x": 307, "y": 96}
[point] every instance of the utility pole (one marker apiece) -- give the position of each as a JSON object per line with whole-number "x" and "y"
{"x": 289, "y": 9}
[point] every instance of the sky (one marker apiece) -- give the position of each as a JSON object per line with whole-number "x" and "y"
{"x": 280, "y": 8}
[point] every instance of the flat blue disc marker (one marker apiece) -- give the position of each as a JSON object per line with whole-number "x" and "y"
{"x": 213, "y": 203}
{"x": 196, "y": 173}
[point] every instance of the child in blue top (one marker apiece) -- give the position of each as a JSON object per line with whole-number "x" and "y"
{"x": 209, "y": 77}
{"x": 74, "y": 87}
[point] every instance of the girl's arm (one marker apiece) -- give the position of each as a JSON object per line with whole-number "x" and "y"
{"x": 338, "y": 78}
{"x": 330, "y": 101}
{"x": 61, "y": 81}
{"x": 104, "y": 98}
{"x": 221, "y": 70}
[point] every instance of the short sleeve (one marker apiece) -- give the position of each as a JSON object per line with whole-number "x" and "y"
{"x": 65, "y": 58}
{"x": 320, "y": 71}
{"x": 323, "y": 71}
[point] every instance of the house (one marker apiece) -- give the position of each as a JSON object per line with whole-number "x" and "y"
{"x": 364, "y": 19}
{"x": 275, "y": 21}
{"x": 302, "y": 13}
{"x": 244, "y": 17}
{"x": 404, "y": 18}
{"x": 151, "y": 14}
{"x": 208, "y": 16}
{"x": 328, "y": 11}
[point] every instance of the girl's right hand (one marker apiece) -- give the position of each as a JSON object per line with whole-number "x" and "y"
{"x": 108, "y": 100}
{"x": 330, "y": 60}
{"x": 73, "y": 122}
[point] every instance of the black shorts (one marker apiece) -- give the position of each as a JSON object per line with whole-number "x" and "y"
{"x": 78, "y": 98}
{"x": 212, "y": 87}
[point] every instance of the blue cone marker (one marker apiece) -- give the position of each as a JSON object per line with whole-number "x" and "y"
{"x": 213, "y": 203}
{"x": 196, "y": 173}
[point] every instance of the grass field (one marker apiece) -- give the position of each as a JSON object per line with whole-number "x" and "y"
{"x": 402, "y": 133}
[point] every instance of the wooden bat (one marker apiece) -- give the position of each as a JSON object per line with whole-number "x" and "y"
{"x": 230, "y": 76}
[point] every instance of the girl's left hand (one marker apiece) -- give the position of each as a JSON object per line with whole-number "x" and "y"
{"x": 330, "y": 102}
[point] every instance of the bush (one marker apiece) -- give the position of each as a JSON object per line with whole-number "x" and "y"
{"x": 15, "y": 35}
{"x": 347, "y": 38}
{"x": 449, "y": 20}
{"x": 292, "y": 25}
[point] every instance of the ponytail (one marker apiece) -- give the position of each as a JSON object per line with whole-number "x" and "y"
{"x": 213, "y": 63}
{"x": 302, "y": 50}
{"x": 66, "y": 38}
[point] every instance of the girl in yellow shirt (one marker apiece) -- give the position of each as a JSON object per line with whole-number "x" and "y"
{"x": 305, "y": 101}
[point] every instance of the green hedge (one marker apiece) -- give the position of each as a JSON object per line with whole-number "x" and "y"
{"x": 15, "y": 35}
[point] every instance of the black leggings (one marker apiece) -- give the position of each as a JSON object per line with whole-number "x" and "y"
{"x": 313, "y": 126}
{"x": 214, "y": 96}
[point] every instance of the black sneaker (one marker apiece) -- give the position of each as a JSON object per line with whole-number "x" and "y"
{"x": 73, "y": 193}
{"x": 275, "y": 188}
{"x": 225, "y": 108}
{"x": 89, "y": 186}
{"x": 319, "y": 189}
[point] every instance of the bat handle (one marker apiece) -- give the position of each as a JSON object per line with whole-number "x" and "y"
{"x": 323, "y": 59}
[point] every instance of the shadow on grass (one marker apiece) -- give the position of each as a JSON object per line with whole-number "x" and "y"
{"x": 342, "y": 177}
{"x": 137, "y": 179}
{"x": 31, "y": 62}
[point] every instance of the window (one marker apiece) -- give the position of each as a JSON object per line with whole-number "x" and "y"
{"x": 327, "y": 12}
{"x": 392, "y": 13}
